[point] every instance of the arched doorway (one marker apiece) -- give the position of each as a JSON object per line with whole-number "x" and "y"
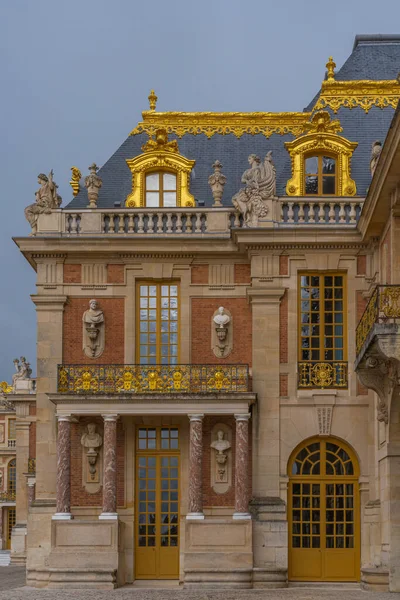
{"x": 324, "y": 523}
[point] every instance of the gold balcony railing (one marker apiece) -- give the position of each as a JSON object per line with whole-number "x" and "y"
{"x": 322, "y": 374}
{"x": 152, "y": 379}
{"x": 7, "y": 496}
{"x": 383, "y": 307}
{"x": 31, "y": 466}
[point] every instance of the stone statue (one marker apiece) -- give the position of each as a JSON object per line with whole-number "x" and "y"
{"x": 217, "y": 182}
{"x": 23, "y": 370}
{"x": 93, "y": 330}
{"x": 221, "y": 446}
{"x": 93, "y": 184}
{"x": 92, "y": 441}
{"x": 46, "y": 200}
{"x": 375, "y": 154}
{"x": 260, "y": 181}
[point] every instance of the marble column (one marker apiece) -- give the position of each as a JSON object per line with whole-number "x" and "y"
{"x": 195, "y": 468}
{"x": 110, "y": 468}
{"x": 242, "y": 468}
{"x": 63, "y": 490}
{"x": 31, "y": 483}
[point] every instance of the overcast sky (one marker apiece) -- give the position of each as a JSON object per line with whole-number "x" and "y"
{"x": 75, "y": 77}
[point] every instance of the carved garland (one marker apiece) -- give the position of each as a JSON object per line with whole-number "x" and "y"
{"x": 362, "y": 93}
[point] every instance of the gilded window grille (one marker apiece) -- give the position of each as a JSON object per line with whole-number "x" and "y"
{"x": 152, "y": 379}
{"x": 322, "y": 331}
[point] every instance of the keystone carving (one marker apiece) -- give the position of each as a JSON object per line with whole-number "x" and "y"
{"x": 217, "y": 183}
{"x": 46, "y": 200}
{"x": 222, "y": 332}
{"x": 93, "y": 330}
{"x": 260, "y": 185}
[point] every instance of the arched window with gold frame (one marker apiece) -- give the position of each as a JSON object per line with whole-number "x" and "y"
{"x": 160, "y": 176}
{"x": 321, "y": 160}
{"x": 323, "y": 511}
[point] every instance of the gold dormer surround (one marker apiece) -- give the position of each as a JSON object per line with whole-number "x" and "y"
{"x": 160, "y": 155}
{"x": 320, "y": 136}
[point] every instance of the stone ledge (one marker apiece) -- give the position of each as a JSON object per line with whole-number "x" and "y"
{"x": 375, "y": 579}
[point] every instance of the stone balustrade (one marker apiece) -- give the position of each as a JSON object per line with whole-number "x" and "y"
{"x": 197, "y": 221}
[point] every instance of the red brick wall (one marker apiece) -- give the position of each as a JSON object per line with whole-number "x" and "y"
{"x": 114, "y": 331}
{"x": 72, "y": 273}
{"x": 79, "y": 495}
{"x": 283, "y": 265}
{"x": 283, "y": 384}
{"x": 242, "y": 273}
{"x": 32, "y": 440}
{"x": 386, "y": 277}
{"x": 115, "y": 273}
{"x": 283, "y": 329}
{"x": 32, "y": 410}
{"x": 202, "y": 313}
{"x": 211, "y": 498}
{"x": 361, "y": 264}
{"x": 200, "y": 274}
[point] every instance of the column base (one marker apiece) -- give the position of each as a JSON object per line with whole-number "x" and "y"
{"x": 241, "y": 515}
{"x": 108, "y": 516}
{"x": 62, "y": 517}
{"x": 195, "y": 516}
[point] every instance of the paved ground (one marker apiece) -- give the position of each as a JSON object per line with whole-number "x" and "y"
{"x": 12, "y": 580}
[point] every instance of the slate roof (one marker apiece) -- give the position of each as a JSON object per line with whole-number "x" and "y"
{"x": 373, "y": 57}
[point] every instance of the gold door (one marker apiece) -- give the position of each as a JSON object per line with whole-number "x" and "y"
{"x": 10, "y": 525}
{"x": 323, "y": 513}
{"x": 157, "y": 504}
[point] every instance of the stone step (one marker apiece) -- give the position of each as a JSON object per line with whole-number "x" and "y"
{"x": 5, "y": 558}
{"x": 325, "y": 585}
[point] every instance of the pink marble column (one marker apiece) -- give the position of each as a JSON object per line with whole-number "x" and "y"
{"x": 195, "y": 468}
{"x": 110, "y": 468}
{"x": 242, "y": 468}
{"x": 63, "y": 469}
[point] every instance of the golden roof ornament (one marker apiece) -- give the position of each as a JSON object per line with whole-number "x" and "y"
{"x": 331, "y": 66}
{"x": 321, "y": 123}
{"x": 153, "y": 100}
{"x": 75, "y": 179}
{"x": 160, "y": 143}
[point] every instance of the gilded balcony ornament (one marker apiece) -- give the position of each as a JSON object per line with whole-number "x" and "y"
{"x": 160, "y": 155}
{"x": 336, "y": 94}
{"x": 32, "y": 466}
{"x": 5, "y": 388}
{"x": 153, "y": 100}
{"x": 320, "y": 135}
{"x": 75, "y": 179}
{"x": 331, "y": 66}
{"x": 390, "y": 302}
{"x": 322, "y": 374}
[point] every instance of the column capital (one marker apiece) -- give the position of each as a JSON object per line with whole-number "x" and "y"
{"x": 52, "y": 303}
{"x": 67, "y": 418}
{"x": 198, "y": 417}
{"x": 243, "y": 417}
{"x": 265, "y": 295}
{"x": 110, "y": 418}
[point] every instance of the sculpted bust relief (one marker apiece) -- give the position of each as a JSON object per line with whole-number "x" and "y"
{"x": 221, "y": 447}
{"x": 91, "y": 439}
{"x": 221, "y": 334}
{"x": 93, "y": 330}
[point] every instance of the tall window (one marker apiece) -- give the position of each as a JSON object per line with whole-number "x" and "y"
{"x": 320, "y": 174}
{"x": 160, "y": 189}
{"x": 322, "y": 330}
{"x": 158, "y": 330}
{"x": 12, "y": 476}
{"x": 11, "y": 429}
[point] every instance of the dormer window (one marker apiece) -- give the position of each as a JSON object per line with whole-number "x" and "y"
{"x": 160, "y": 189}
{"x": 320, "y": 175}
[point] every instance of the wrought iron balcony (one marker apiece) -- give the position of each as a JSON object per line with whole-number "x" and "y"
{"x": 7, "y": 496}
{"x": 332, "y": 374}
{"x": 152, "y": 379}
{"x": 383, "y": 308}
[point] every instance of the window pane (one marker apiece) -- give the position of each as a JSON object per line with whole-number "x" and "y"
{"x": 312, "y": 185}
{"x": 312, "y": 165}
{"x": 169, "y": 181}
{"x": 328, "y": 185}
{"x": 328, "y": 165}
{"x": 169, "y": 199}
{"x": 152, "y": 199}
{"x": 152, "y": 181}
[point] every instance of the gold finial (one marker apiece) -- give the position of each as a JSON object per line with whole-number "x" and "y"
{"x": 75, "y": 179}
{"x": 331, "y": 65}
{"x": 153, "y": 100}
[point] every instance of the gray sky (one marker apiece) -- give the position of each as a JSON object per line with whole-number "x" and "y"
{"x": 75, "y": 77}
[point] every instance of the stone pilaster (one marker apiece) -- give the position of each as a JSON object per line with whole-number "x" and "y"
{"x": 63, "y": 469}
{"x": 195, "y": 468}
{"x": 110, "y": 468}
{"x": 31, "y": 484}
{"x": 242, "y": 468}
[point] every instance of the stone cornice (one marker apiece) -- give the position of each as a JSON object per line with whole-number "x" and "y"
{"x": 52, "y": 303}
{"x": 178, "y": 398}
{"x": 265, "y": 295}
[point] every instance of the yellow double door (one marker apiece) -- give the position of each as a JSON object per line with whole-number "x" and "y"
{"x": 157, "y": 516}
{"x": 324, "y": 530}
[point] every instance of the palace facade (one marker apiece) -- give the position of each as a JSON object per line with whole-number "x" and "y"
{"x": 217, "y": 352}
